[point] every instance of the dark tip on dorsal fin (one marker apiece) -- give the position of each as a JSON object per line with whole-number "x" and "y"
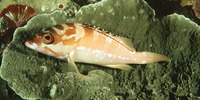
{"x": 126, "y": 42}
{"x": 95, "y": 28}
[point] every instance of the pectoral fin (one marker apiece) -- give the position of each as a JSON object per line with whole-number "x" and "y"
{"x": 73, "y": 67}
{"x": 120, "y": 66}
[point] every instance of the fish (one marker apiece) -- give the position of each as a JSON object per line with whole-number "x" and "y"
{"x": 76, "y": 42}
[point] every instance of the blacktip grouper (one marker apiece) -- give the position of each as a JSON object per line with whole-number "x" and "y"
{"x": 86, "y": 44}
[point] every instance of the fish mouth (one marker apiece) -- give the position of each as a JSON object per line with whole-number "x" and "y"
{"x": 31, "y": 45}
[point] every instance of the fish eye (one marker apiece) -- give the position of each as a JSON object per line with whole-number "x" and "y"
{"x": 47, "y": 38}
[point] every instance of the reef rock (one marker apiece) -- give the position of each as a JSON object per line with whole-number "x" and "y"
{"x": 36, "y": 76}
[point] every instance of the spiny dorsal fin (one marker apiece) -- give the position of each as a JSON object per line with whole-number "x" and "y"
{"x": 124, "y": 41}
{"x": 127, "y": 42}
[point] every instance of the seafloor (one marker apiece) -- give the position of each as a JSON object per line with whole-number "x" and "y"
{"x": 27, "y": 74}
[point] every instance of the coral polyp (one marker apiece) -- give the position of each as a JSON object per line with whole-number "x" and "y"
{"x": 17, "y": 15}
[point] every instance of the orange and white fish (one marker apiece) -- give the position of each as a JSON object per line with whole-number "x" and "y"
{"x": 82, "y": 43}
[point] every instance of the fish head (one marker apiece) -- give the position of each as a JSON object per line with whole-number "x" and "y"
{"x": 43, "y": 42}
{"x": 55, "y": 41}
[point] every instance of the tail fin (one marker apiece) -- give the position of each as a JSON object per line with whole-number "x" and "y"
{"x": 148, "y": 57}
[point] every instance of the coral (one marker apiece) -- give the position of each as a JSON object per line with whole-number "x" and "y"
{"x": 3, "y": 25}
{"x": 15, "y": 15}
{"x": 40, "y": 6}
{"x": 86, "y": 2}
{"x": 45, "y": 6}
{"x": 196, "y": 8}
{"x": 3, "y": 92}
{"x": 187, "y": 2}
{"x": 72, "y": 9}
{"x": 36, "y": 76}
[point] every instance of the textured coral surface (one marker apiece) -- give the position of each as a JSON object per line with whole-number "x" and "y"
{"x": 41, "y": 6}
{"x": 36, "y": 76}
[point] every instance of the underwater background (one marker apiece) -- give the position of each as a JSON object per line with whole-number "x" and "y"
{"x": 168, "y": 27}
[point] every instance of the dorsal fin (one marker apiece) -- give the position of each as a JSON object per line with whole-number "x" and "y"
{"x": 127, "y": 42}
{"x": 124, "y": 41}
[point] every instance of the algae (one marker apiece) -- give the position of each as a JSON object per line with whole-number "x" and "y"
{"x": 36, "y": 76}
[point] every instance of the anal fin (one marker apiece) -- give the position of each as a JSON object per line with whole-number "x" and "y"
{"x": 120, "y": 66}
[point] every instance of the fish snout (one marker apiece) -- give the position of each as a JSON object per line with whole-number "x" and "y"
{"x": 31, "y": 45}
{"x": 41, "y": 49}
